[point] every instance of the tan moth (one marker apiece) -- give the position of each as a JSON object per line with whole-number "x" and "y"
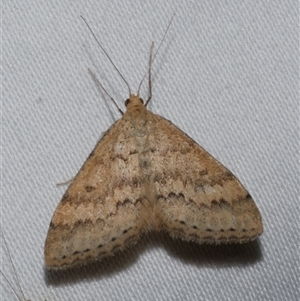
{"x": 146, "y": 174}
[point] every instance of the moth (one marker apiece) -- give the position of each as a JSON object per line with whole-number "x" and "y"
{"x": 145, "y": 174}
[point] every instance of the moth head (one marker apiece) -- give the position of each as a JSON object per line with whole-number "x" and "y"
{"x": 133, "y": 100}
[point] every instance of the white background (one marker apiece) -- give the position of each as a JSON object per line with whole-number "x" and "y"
{"x": 227, "y": 75}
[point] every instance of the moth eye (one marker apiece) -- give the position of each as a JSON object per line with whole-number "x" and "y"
{"x": 141, "y": 101}
{"x": 127, "y": 102}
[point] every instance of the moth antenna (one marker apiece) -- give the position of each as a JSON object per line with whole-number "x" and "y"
{"x": 105, "y": 52}
{"x": 15, "y": 273}
{"x": 151, "y": 63}
{"x": 149, "y": 77}
{"x": 98, "y": 82}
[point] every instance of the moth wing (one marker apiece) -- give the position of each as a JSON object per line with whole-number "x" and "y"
{"x": 101, "y": 210}
{"x": 198, "y": 198}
